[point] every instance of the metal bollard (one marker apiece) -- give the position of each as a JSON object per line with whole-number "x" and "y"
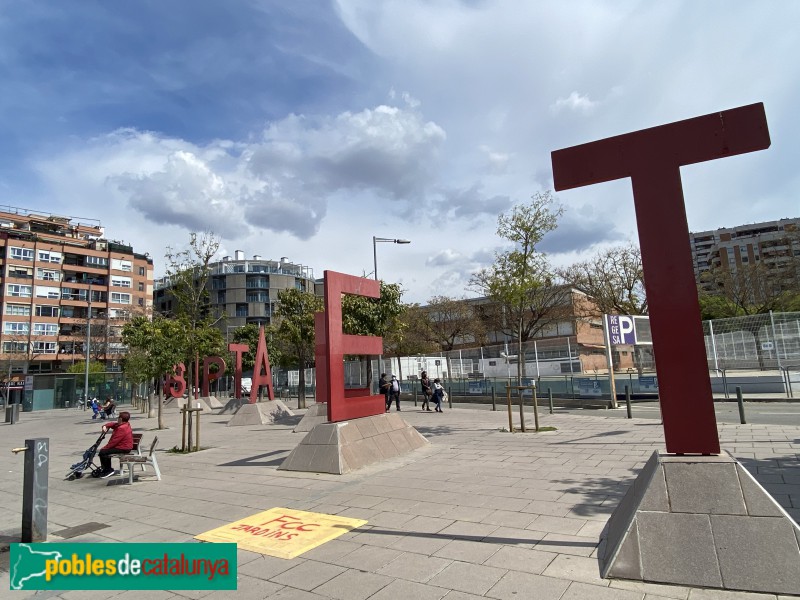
{"x": 12, "y": 413}
{"x": 508, "y": 402}
{"x": 740, "y": 401}
{"x": 494, "y": 400}
{"x": 521, "y": 412}
{"x": 415, "y": 396}
{"x": 550, "y": 399}
{"x": 535, "y": 410}
{"x": 450, "y": 396}
{"x": 34, "y": 489}
{"x": 628, "y": 401}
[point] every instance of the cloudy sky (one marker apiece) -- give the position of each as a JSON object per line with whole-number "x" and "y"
{"x": 302, "y": 129}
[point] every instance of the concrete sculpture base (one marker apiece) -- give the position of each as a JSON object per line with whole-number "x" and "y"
{"x": 702, "y": 521}
{"x": 317, "y": 413}
{"x": 349, "y": 445}
{"x": 260, "y": 413}
{"x": 179, "y": 403}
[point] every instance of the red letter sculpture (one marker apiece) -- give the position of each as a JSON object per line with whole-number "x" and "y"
{"x": 238, "y": 350}
{"x": 208, "y": 376}
{"x": 341, "y": 405}
{"x": 259, "y": 378}
{"x": 652, "y": 159}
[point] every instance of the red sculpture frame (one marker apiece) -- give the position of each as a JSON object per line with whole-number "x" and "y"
{"x": 345, "y": 404}
{"x": 652, "y": 159}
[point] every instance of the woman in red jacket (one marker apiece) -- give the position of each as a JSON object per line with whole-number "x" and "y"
{"x": 121, "y": 442}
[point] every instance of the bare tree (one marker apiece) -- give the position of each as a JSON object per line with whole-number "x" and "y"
{"x": 614, "y": 279}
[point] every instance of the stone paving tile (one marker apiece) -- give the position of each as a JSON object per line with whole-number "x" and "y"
{"x": 427, "y": 524}
{"x": 375, "y": 536}
{"x": 515, "y": 585}
{"x": 698, "y": 594}
{"x": 456, "y": 595}
{"x": 353, "y": 585}
{"x": 466, "y": 577}
{"x": 507, "y": 518}
{"x": 652, "y": 589}
{"x": 290, "y": 593}
{"x": 576, "y": 568}
{"x": 521, "y": 559}
{"x": 566, "y": 544}
{"x": 415, "y": 567}
{"x": 308, "y": 575}
{"x": 330, "y": 551}
{"x": 367, "y": 558}
{"x": 556, "y": 524}
{"x": 197, "y": 594}
{"x": 420, "y": 544}
{"x": 401, "y": 588}
{"x": 266, "y": 567}
{"x": 584, "y": 591}
{"x": 470, "y": 551}
{"x": 248, "y": 588}
{"x": 464, "y": 530}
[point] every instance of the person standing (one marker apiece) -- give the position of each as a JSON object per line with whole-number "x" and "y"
{"x": 395, "y": 393}
{"x": 438, "y": 394}
{"x": 385, "y": 387}
{"x": 121, "y": 442}
{"x": 427, "y": 391}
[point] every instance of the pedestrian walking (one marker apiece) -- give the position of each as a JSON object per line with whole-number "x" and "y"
{"x": 427, "y": 391}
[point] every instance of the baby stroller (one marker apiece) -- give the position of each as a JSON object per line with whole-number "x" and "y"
{"x": 87, "y": 462}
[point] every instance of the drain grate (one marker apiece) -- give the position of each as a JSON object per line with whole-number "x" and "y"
{"x": 72, "y": 532}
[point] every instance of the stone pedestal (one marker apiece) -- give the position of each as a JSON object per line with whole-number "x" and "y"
{"x": 349, "y": 445}
{"x": 315, "y": 414}
{"x": 260, "y": 413}
{"x": 702, "y": 521}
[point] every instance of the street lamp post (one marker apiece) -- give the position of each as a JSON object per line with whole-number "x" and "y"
{"x": 86, "y": 349}
{"x": 375, "y": 241}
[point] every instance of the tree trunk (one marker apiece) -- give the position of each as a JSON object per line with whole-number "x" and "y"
{"x": 301, "y": 386}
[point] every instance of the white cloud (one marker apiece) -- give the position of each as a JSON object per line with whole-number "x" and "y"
{"x": 575, "y": 102}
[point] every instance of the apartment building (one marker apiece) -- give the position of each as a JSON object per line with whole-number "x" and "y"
{"x": 63, "y": 284}
{"x": 773, "y": 243}
{"x": 244, "y": 291}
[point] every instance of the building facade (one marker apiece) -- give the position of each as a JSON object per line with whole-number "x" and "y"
{"x": 64, "y": 284}
{"x": 243, "y": 291}
{"x": 776, "y": 244}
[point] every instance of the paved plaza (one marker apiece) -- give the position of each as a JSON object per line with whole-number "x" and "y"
{"x": 480, "y": 513}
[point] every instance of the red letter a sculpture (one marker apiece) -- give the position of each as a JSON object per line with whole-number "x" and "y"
{"x": 652, "y": 159}
{"x": 262, "y": 378}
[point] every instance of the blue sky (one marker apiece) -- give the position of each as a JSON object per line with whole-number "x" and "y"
{"x": 302, "y": 129}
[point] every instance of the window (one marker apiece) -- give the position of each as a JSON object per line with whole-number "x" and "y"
{"x": 45, "y": 329}
{"x": 45, "y": 310}
{"x": 221, "y": 297}
{"x": 118, "y": 313}
{"x": 141, "y": 272}
{"x": 19, "y": 291}
{"x": 44, "y": 348}
{"x": 22, "y": 310}
{"x": 48, "y": 275}
{"x": 141, "y": 301}
{"x": 15, "y": 327}
{"x": 21, "y": 272}
{"x": 241, "y": 310}
{"x": 141, "y": 286}
{"x": 118, "y": 298}
{"x": 122, "y": 282}
{"x": 15, "y": 347}
{"x": 258, "y": 297}
{"x": 96, "y": 261}
{"x": 21, "y": 253}
{"x": 49, "y": 256}
{"x": 121, "y": 265}
{"x": 43, "y": 291}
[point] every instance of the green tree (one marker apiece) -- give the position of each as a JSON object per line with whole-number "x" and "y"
{"x": 373, "y": 316}
{"x": 519, "y": 283}
{"x": 295, "y": 333}
{"x": 96, "y": 372}
{"x": 159, "y": 344}
{"x": 188, "y": 273}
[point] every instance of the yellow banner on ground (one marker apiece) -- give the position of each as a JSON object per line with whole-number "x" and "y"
{"x": 282, "y": 532}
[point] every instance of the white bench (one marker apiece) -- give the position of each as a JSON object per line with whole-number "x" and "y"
{"x": 132, "y": 459}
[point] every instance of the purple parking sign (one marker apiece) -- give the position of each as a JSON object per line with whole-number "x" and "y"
{"x": 620, "y": 330}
